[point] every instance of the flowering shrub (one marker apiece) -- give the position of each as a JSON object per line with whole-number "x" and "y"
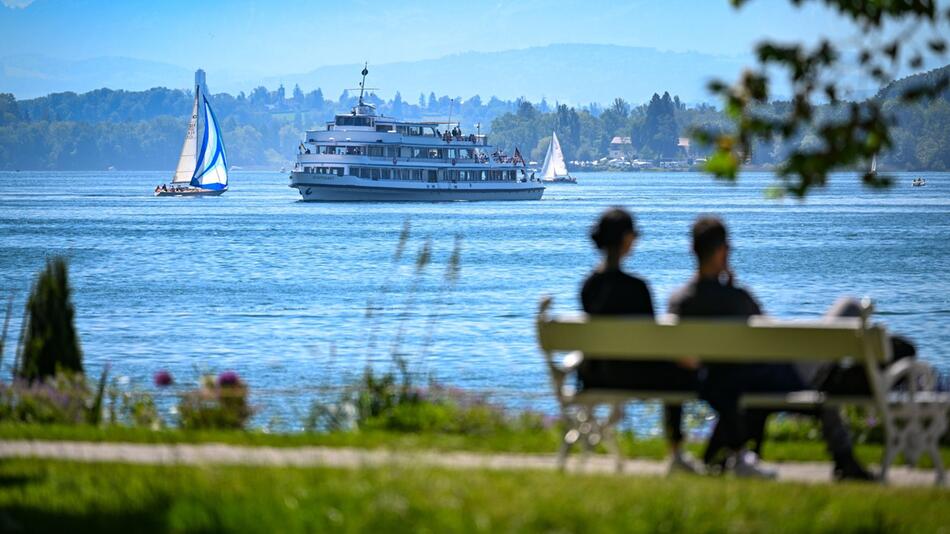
{"x": 64, "y": 399}
{"x": 220, "y": 403}
{"x": 380, "y": 402}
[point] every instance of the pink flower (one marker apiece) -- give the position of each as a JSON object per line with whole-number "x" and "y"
{"x": 229, "y": 378}
{"x": 163, "y": 379}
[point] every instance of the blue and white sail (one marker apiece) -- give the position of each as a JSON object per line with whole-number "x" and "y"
{"x": 211, "y": 171}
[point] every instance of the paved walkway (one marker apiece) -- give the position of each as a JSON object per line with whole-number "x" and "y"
{"x": 212, "y": 453}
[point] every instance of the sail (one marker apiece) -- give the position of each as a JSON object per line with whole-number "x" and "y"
{"x": 874, "y": 164}
{"x": 187, "y": 160}
{"x": 554, "y": 160}
{"x": 212, "y": 169}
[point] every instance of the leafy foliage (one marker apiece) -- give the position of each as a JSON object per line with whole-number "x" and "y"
{"x": 220, "y": 403}
{"x": 51, "y": 344}
{"x": 848, "y": 133}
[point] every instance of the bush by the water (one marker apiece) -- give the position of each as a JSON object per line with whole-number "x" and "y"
{"x": 381, "y": 402}
{"x": 62, "y": 399}
{"x": 50, "y": 343}
{"x": 220, "y": 403}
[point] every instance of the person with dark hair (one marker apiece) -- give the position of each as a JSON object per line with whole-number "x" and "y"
{"x": 610, "y": 291}
{"x": 713, "y": 293}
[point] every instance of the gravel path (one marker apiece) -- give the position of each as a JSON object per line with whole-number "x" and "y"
{"x": 211, "y": 453}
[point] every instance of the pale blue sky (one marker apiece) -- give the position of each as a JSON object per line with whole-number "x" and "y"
{"x": 262, "y": 38}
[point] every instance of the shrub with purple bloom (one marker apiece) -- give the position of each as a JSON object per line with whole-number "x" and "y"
{"x": 229, "y": 379}
{"x": 220, "y": 403}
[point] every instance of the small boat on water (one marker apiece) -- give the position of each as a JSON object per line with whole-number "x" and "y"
{"x": 207, "y": 173}
{"x": 919, "y": 182}
{"x": 554, "y": 170}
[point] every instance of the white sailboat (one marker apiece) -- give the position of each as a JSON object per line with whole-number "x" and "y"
{"x": 204, "y": 174}
{"x": 873, "y": 170}
{"x": 554, "y": 169}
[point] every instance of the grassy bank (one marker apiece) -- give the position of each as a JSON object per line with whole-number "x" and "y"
{"x": 76, "y": 497}
{"x": 540, "y": 441}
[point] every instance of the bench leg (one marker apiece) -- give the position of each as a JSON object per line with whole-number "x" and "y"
{"x": 941, "y": 474}
{"x": 611, "y": 437}
{"x": 582, "y": 425}
{"x": 571, "y": 435}
{"x": 936, "y": 427}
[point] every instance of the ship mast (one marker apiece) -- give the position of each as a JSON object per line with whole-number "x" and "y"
{"x": 363, "y": 83}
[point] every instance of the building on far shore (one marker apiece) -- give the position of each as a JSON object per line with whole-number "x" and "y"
{"x": 620, "y": 148}
{"x": 682, "y": 147}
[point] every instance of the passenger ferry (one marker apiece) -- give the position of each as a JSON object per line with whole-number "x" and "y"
{"x": 361, "y": 156}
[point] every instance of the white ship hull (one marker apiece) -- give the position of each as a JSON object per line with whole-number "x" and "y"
{"x": 353, "y": 189}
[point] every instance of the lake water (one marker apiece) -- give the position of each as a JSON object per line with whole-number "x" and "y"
{"x": 276, "y": 289}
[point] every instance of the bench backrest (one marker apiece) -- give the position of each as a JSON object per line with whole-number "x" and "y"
{"x": 759, "y": 339}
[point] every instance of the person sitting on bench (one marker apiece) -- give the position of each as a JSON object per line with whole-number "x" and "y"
{"x": 712, "y": 293}
{"x": 611, "y": 291}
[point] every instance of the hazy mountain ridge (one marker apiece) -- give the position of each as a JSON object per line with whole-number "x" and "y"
{"x": 572, "y": 73}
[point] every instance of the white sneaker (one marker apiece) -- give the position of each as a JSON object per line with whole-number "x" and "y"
{"x": 745, "y": 464}
{"x": 683, "y": 462}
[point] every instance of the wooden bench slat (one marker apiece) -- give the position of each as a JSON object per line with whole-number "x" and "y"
{"x": 759, "y": 339}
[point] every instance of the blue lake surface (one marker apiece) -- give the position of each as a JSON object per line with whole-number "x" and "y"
{"x": 276, "y": 289}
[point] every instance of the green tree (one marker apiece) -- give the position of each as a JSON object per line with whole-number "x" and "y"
{"x": 51, "y": 344}
{"x": 857, "y": 131}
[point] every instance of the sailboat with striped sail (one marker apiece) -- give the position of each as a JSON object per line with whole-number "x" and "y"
{"x": 203, "y": 173}
{"x": 554, "y": 169}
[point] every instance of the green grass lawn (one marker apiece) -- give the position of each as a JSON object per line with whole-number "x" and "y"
{"x": 43, "y": 496}
{"x": 514, "y": 441}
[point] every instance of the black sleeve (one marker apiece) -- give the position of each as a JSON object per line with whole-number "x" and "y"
{"x": 648, "y": 300}
{"x": 585, "y": 295}
{"x": 752, "y": 304}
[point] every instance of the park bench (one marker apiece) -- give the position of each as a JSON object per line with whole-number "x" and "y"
{"x": 913, "y": 417}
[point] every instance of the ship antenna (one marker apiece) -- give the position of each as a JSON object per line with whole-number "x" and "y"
{"x": 363, "y": 83}
{"x": 449, "y": 125}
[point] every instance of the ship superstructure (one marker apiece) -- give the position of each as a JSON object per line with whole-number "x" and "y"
{"x": 362, "y": 156}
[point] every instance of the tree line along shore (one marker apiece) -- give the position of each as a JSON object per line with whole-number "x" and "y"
{"x": 141, "y": 130}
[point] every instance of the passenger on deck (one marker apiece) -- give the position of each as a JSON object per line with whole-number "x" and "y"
{"x": 611, "y": 291}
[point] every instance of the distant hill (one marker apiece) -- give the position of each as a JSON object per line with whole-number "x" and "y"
{"x": 572, "y": 73}
{"x": 30, "y": 76}
{"x": 916, "y": 81}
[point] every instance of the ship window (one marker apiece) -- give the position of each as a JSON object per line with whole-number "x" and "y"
{"x": 374, "y": 151}
{"x": 385, "y": 174}
{"x": 339, "y": 171}
{"x": 417, "y": 174}
{"x": 434, "y": 153}
{"x": 363, "y": 172}
{"x": 415, "y": 130}
{"x": 383, "y": 127}
{"x": 374, "y": 174}
{"x": 392, "y": 151}
{"x": 419, "y": 153}
{"x": 484, "y": 175}
{"x": 353, "y": 151}
{"x": 405, "y": 152}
